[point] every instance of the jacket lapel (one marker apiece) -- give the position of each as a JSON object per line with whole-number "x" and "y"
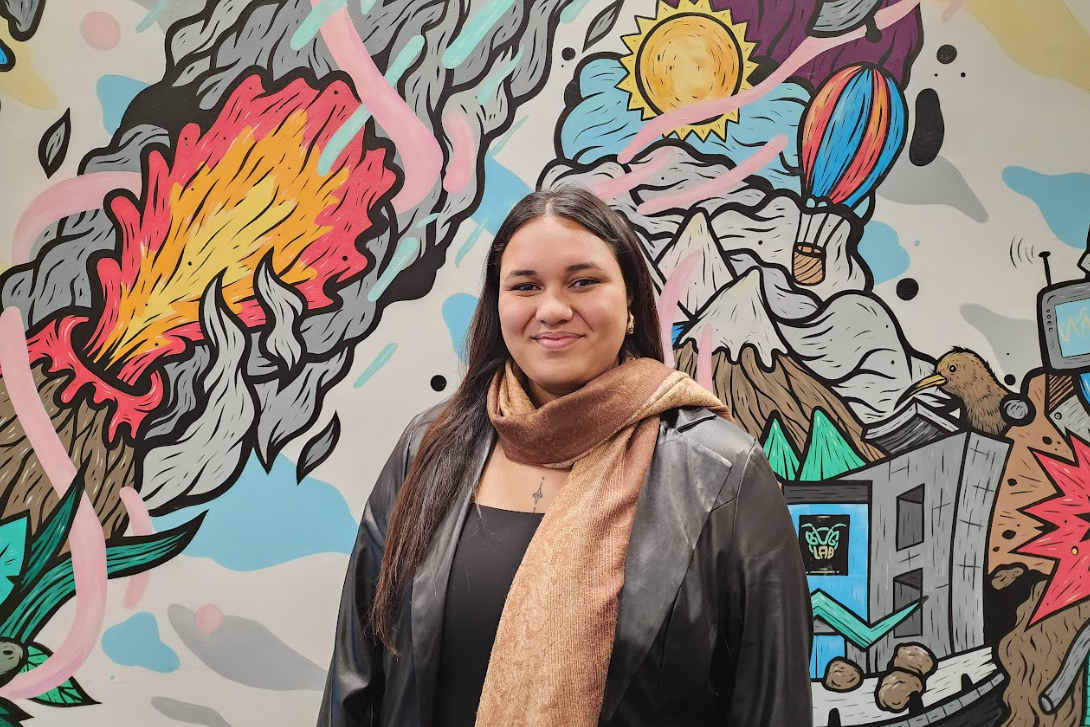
{"x": 430, "y": 588}
{"x": 670, "y": 515}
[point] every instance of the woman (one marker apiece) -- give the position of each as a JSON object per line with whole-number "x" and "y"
{"x": 579, "y": 536}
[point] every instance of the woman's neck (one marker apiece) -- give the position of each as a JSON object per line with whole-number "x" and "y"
{"x": 542, "y": 396}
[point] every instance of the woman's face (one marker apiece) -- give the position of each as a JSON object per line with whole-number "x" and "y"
{"x": 563, "y": 305}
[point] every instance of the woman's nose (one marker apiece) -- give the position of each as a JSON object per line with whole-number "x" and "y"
{"x": 553, "y": 307}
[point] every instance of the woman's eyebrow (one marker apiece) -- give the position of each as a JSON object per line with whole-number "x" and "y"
{"x": 577, "y": 268}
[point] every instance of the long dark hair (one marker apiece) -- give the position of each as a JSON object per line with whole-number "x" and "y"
{"x": 453, "y": 436}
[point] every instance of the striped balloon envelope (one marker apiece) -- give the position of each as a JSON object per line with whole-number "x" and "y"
{"x": 853, "y": 130}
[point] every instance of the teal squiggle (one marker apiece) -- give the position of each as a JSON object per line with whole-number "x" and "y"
{"x": 474, "y": 32}
{"x": 406, "y": 251}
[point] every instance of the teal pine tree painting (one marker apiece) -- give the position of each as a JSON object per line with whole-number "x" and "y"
{"x": 781, "y": 455}
{"x": 828, "y": 453}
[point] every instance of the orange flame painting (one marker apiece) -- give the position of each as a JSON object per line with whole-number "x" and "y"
{"x": 247, "y": 189}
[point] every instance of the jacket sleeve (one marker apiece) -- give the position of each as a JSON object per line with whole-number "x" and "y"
{"x": 355, "y": 681}
{"x": 770, "y": 623}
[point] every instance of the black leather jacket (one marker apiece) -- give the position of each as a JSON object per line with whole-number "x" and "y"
{"x": 713, "y": 627}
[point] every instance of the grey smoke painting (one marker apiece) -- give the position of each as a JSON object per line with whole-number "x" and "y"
{"x": 255, "y": 390}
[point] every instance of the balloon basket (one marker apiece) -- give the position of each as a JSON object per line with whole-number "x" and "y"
{"x": 808, "y": 264}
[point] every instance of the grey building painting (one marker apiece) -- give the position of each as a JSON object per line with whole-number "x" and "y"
{"x": 929, "y": 511}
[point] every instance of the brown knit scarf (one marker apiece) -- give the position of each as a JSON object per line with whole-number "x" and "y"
{"x": 555, "y": 637}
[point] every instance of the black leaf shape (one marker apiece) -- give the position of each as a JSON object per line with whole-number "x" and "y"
{"x": 54, "y": 144}
{"x": 602, "y": 24}
{"x": 318, "y": 449}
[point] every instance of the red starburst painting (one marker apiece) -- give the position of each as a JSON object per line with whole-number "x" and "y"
{"x": 1066, "y": 535}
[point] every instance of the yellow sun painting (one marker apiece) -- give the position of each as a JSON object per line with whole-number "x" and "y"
{"x": 686, "y": 55}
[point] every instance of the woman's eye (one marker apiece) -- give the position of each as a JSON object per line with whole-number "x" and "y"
{"x": 523, "y": 287}
{"x": 584, "y": 282}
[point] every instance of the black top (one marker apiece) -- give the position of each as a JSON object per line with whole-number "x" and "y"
{"x": 489, "y": 552}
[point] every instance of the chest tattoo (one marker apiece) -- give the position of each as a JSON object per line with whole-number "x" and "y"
{"x": 539, "y": 494}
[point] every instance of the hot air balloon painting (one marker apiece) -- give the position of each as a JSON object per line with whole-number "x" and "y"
{"x": 852, "y": 132}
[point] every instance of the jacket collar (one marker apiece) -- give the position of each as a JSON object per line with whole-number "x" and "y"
{"x": 669, "y": 519}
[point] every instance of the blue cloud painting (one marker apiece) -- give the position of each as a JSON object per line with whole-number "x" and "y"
{"x": 1064, "y": 201}
{"x": 601, "y": 124}
{"x": 881, "y": 248}
{"x": 267, "y": 518}
{"x": 136, "y": 642}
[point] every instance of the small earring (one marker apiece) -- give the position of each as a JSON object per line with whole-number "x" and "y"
{"x": 631, "y": 324}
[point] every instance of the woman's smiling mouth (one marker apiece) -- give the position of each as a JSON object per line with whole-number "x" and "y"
{"x": 556, "y": 340}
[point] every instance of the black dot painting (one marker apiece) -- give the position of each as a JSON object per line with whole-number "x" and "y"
{"x": 929, "y": 131}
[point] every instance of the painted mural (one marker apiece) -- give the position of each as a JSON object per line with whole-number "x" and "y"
{"x": 239, "y": 246}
